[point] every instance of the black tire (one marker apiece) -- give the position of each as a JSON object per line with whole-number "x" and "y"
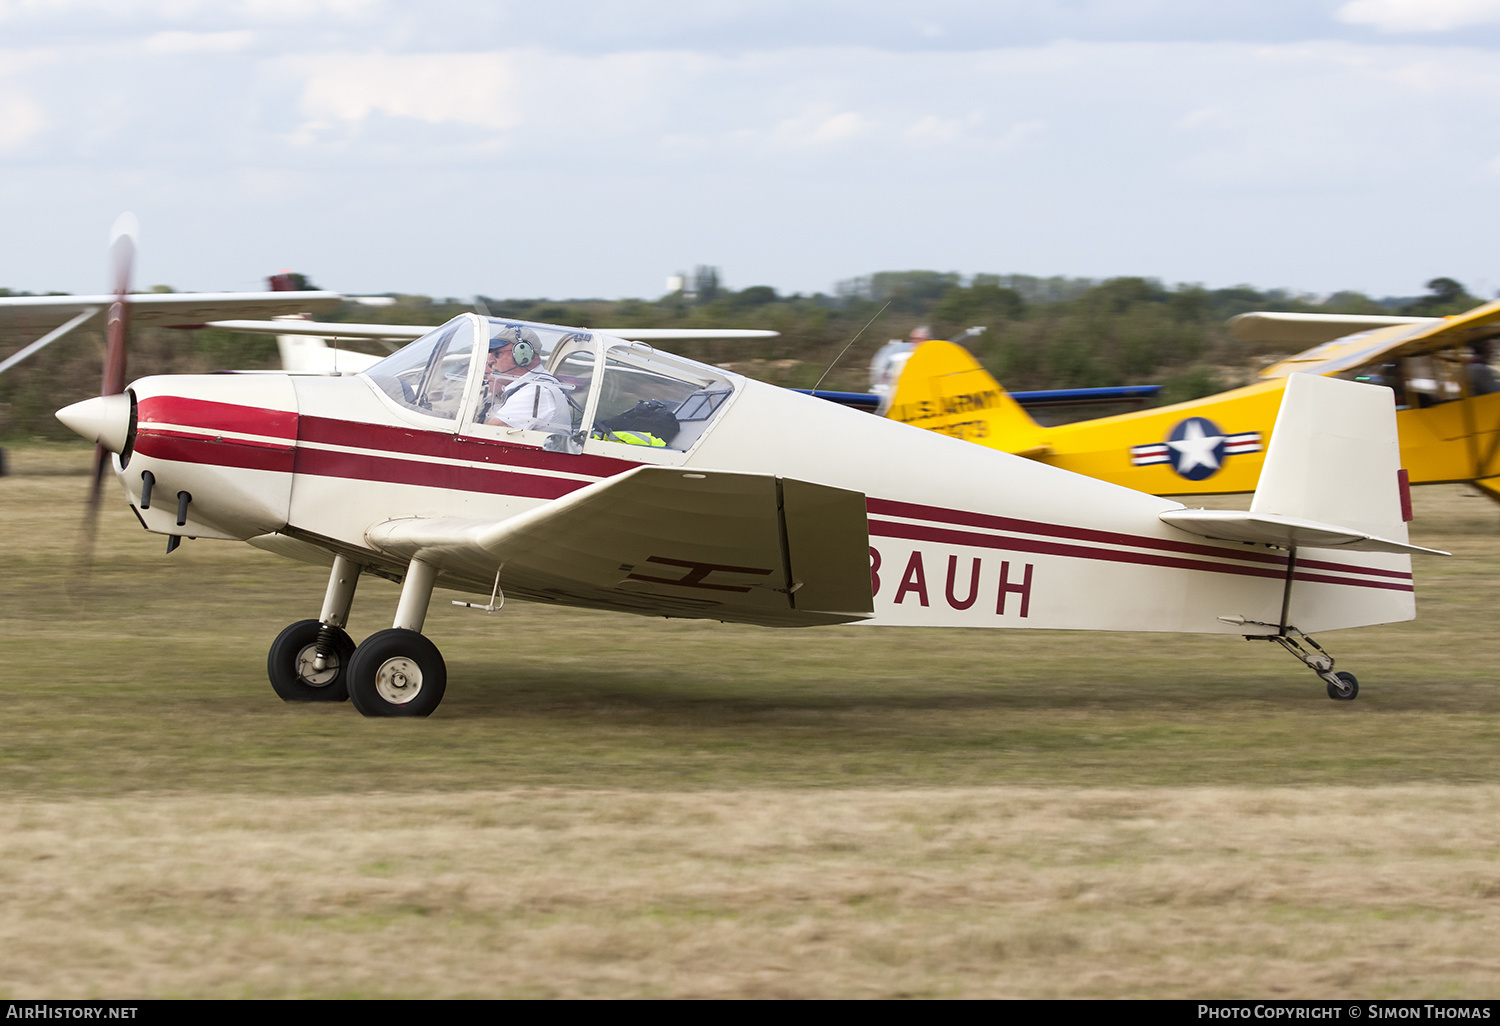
{"x": 1350, "y": 682}
{"x": 387, "y": 664}
{"x": 289, "y": 665}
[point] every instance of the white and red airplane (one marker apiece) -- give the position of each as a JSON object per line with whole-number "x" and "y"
{"x": 527, "y": 461}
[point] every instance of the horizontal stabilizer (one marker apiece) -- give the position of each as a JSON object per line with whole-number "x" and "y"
{"x": 1286, "y": 532}
{"x": 666, "y": 541}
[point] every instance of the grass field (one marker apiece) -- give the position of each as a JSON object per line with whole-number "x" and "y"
{"x": 611, "y": 805}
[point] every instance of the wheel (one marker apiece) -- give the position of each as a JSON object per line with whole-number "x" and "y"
{"x": 1348, "y": 691}
{"x": 397, "y": 673}
{"x": 290, "y": 665}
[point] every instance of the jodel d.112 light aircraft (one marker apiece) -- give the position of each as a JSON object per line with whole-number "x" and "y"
{"x": 515, "y": 460}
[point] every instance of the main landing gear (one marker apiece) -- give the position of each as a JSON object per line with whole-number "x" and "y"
{"x": 396, "y": 672}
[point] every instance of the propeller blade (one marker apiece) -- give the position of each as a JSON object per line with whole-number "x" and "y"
{"x": 117, "y": 322}
{"x": 122, "y": 251}
{"x": 116, "y": 334}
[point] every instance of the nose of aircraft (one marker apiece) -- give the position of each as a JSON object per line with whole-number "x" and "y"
{"x": 104, "y": 419}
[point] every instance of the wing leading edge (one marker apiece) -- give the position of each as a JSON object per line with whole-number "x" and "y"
{"x": 1387, "y": 343}
{"x": 666, "y": 541}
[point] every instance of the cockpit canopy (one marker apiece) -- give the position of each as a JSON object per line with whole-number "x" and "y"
{"x": 557, "y": 387}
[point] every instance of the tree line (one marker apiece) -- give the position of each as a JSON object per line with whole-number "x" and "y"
{"x": 1039, "y": 332}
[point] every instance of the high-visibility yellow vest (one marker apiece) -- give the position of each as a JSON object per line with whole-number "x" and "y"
{"x": 635, "y": 438}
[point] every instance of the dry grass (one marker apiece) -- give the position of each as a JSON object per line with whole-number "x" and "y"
{"x": 608, "y": 805}
{"x": 982, "y": 892}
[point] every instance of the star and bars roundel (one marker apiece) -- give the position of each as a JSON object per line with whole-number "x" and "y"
{"x": 1195, "y": 448}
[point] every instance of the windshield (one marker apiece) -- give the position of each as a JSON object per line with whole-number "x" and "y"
{"x": 539, "y": 384}
{"x": 429, "y": 375}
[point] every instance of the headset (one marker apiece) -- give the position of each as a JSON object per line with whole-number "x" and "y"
{"x": 522, "y": 352}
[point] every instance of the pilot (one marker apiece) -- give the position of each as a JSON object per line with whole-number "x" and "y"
{"x": 1481, "y": 377}
{"x": 521, "y": 393}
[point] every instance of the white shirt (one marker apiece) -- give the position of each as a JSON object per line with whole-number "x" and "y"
{"x": 533, "y": 402}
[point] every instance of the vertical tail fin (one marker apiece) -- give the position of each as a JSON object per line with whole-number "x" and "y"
{"x": 943, "y": 388}
{"x": 1334, "y": 457}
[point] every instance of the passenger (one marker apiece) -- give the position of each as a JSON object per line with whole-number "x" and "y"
{"x": 1481, "y": 377}
{"x": 520, "y": 393}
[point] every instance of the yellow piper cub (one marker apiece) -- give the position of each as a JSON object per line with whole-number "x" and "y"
{"x": 1437, "y": 367}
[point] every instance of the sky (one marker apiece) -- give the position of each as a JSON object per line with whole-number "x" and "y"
{"x": 591, "y": 148}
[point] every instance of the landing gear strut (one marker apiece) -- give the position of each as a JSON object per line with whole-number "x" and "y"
{"x": 309, "y": 661}
{"x": 1342, "y": 686}
{"x": 399, "y": 672}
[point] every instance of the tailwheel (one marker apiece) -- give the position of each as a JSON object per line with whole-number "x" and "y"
{"x": 294, "y": 667}
{"x": 1346, "y": 689}
{"x": 397, "y": 673}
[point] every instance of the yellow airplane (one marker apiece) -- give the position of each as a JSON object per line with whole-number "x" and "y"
{"x": 1446, "y": 397}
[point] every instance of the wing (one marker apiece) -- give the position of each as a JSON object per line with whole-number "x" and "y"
{"x": 870, "y": 401}
{"x": 170, "y": 308}
{"x": 664, "y": 541}
{"x": 324, "y": 329}
{"x": 399, "y": 332}
{"x": 1392, "y": 342}
{"x": 1310, "y": 329}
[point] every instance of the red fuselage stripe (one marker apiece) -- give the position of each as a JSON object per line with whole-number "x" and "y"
{"x": 917, "y": 532}
{"x": 914, "y": 511}
{"x": 181, "y": 449}
{"x": 250, "y": 420}
{"x": 367, "y": 467}
{"x": 404, "y": 441}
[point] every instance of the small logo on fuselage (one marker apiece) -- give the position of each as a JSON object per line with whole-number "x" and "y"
{"x": 1195, "y": 448}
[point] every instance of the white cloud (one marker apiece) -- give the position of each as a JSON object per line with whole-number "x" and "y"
{"x": 1020, "y": 133}
{"x": 818, "y": 129}
{"x": 1419, "y": 15}
{"x": 1203, "y": 117}
{"x": 21, "y": 120}
{"x": 172, "y": 43}
{"x": 257, "y": 10}
{"x": 469, "y": 89}
{"x": 933, "y": 130}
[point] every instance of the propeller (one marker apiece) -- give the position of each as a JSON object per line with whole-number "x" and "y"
{"x": 116, "y": 330}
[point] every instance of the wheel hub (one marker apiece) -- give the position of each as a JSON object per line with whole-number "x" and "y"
{"x": 307, "y": 669}
{"x": 399, "y": 680}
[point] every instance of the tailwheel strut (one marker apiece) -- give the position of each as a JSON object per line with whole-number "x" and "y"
{"x": 1342, "y": 686}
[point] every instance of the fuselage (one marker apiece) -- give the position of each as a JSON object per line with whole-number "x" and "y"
{"x": 959, "y": 535}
